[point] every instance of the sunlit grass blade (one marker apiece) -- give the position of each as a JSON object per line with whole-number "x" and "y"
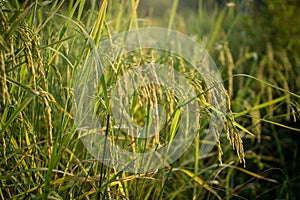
{"x": 269, "y": 84}
{"x": 17, "y": 112}
{"x": 260, "y": 106}
{"x": 258, "y": 176}
{"x": 200, "y": 182}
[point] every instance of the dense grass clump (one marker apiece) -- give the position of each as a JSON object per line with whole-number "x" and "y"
{"x": 45, "y": 44}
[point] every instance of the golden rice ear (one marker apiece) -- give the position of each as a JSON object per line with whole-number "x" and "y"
{"x": 24, "y": 40}
{"x": 232, "y": 133}
{"x": 5, "y": 95}
{"x": 43, "y": 86}
{"x": 234, "y": 138}
{"x": 4, "y": 48}
{"x": 230, "y": 129}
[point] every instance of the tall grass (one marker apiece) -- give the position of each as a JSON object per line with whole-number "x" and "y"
{"x": 44, "y": 44}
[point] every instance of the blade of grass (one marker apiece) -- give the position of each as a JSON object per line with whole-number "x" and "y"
{"x": 17, "y": 112}
{"x": 173, "y": 13}
{"x": 217, "y": 30}
{"x": 251, "y": 173}
{"x": 200, "y": 182}
{"x": 269, "y": 84}
{"x": 260, "y": 106}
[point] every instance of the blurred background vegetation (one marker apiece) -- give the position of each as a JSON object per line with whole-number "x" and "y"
{"x": 254, "y": 43}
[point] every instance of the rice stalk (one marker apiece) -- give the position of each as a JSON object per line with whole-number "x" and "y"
{"x": 5, "y": 95}
{"x": 230, "y": 64}
{"x": 29, "y": 45}
{"x": 287, "y": 68}
{"x": 5, "y": 98}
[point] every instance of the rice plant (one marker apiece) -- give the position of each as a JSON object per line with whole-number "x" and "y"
{"x": 44, "y": 45}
